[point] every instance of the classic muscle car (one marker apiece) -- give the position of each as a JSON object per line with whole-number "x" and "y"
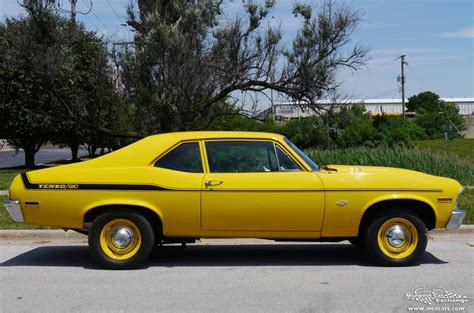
{"x": 179, "y": 187}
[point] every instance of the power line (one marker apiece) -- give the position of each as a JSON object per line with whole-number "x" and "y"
{"x": 100, "y": 21}
{"x": 384, "y": 93}
{"x": 115, "y": 12}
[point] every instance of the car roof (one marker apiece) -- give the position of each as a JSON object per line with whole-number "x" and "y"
{"x": 196, "y": 135}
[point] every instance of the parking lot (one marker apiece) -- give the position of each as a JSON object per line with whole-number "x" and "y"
{"x": 244, "y": 275}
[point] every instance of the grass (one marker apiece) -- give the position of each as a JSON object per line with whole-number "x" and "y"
{"x": 467, "y": 203}
{"x": 461, "y": 148}
{"x": 6, "y": 177}
{"x": 415, "y": 159}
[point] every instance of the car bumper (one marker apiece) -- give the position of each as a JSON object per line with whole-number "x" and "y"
{"x": 455, "y": 221}
{"x": 14, "y": 209}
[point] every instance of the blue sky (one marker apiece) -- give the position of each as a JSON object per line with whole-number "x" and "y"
{"x": 437, "y": 37}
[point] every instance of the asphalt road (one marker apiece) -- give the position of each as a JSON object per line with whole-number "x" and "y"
{"x": 229, "y": 276}
{"x": 12, "y": 159}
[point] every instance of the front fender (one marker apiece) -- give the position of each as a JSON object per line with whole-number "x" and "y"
{"x": 344, "y": 220}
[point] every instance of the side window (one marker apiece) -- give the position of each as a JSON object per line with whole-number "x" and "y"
{"x": 184, "y": 158}
{"x": 285, "y": 162}
{"x": 241, "y": 157}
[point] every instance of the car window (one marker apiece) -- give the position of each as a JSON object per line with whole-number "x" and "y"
{"x": 285, "y": 162}
{"x": 241, "y": 157}
{"x": 185, "y": 158}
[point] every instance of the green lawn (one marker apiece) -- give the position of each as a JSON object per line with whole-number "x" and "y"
{"x": 462, "y": 148}
{"x": 6, "y": 177}
{"x": 467, "y": 204}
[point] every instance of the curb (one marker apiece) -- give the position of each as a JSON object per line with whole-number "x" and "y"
{"x": 61, "y": 235}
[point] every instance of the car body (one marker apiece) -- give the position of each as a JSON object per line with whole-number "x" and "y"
{"x": 177, "y": 187}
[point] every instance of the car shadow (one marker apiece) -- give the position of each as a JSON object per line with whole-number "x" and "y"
{"x": 214, "y": 255}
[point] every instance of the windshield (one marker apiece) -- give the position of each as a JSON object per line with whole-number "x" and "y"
{"x": 310, "y": 162}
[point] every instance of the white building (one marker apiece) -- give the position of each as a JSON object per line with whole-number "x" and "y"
{"x": 286, "y": 111}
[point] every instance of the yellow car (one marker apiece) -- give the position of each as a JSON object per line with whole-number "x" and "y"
{"x": 179, "y": 187}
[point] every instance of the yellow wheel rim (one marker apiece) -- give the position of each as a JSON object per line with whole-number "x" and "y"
{"x": 397, "y": 238}
{"x": 120, "y": 239}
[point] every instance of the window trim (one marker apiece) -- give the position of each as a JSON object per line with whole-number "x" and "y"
{"x": 172, "y": 148}
{"x": 301, "y": 168}
{"x": 274, "y": 142}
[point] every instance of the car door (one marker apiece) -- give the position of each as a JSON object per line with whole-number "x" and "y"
{"x": 255, "y": 185}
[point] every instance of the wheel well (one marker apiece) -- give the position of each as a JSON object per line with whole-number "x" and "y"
{"x": 150, "y": 215}
{"x": 424, "y": 211}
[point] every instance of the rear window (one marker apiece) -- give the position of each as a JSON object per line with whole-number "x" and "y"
{"x": 184, "y": 158}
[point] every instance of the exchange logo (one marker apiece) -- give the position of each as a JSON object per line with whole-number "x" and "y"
{"x": 436, "y": 295}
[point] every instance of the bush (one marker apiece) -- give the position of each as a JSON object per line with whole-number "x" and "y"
{"x": 306, "y": 132}
{"x": 396, "y": 130}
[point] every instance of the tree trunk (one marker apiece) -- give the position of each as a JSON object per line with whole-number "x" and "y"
{"x": 75, "y": 151}
{"x": 29, "y": 156}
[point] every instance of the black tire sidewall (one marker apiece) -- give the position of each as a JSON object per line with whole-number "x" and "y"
{"x": 146, "y": 246}
{"x": 376, "y": 253}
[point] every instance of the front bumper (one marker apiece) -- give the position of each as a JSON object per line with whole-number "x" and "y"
{"x": 14, "y": 209}
{"x": 455, "y": 221}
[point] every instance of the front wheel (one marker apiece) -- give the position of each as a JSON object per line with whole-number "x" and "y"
{"x": 121, "y": 240}
{"x": 396, "y": 238}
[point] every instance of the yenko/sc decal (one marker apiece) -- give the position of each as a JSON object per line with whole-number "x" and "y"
{"x": 58, "y": 186}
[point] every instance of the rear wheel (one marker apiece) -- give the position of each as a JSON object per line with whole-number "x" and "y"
{"x": 121, "y": 240}
{"x": 396, "y": 238}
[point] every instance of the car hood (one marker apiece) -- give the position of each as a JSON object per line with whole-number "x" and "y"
{"x": 359, "y": 169}
{"x": 373, "y": 177}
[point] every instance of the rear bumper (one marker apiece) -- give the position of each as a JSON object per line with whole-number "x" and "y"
{"x": 14, "y": 209}
{"x": 455, "y": 221}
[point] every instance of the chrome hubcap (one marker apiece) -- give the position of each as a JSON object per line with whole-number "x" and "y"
{"x": 121, "y": 236}
{"x": 397, "y": 236}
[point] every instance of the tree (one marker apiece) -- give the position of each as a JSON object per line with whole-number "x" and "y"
{"x": 436, "y": 116}
{"x": 185, "y": 60}
{"x": 426, "y": 100}
{"x": 89, "y": 101}
{"x": 29, "y": 67}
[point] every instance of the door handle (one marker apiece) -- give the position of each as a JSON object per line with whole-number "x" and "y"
{"x": 210, "y": 183}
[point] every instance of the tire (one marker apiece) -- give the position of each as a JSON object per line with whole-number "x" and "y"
{"x": 407, "y": 243}
{"x": 130, "y": 247}
{"x": 357, "y": 242}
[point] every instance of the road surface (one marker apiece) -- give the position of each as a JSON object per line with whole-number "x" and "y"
{"x": 12, "y": 159}
{"x": 229, "y": 276}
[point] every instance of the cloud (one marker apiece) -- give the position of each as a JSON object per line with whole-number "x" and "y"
{"x": 462, "y": 33}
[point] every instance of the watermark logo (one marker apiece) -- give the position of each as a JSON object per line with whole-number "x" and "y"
{"x": 436, "y": 295}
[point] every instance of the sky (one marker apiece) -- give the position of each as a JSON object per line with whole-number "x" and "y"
{"x": 437, "y": 37}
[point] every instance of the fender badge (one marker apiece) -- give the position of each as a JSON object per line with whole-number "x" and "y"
{"x": 342, "y": 202}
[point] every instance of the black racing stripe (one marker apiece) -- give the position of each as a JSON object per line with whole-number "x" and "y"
{"x": 131, "y": 187}
{"x": 72, "y": 186}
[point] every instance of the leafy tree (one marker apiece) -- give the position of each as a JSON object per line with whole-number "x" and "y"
{"x": 56, "y": 84}
{"x": 426, "y": 100}
{"x": 29, "y": 71}
{"x": 186, "y": 59}
{"x": 89, "y": 100}
{"x": 435, "y": 115}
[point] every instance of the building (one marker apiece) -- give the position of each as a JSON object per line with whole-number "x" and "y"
{"x": 287, "y": 111}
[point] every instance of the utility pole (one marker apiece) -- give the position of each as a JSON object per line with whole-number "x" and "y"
{"x": 73, "y": 11}
{"x": 402, "y": 64}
